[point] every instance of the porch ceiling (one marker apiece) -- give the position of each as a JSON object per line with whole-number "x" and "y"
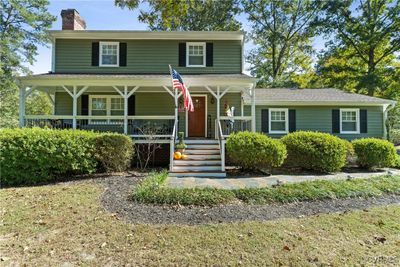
{"x": 142, "y": 80}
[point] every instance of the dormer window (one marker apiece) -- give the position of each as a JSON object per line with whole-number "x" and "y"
{"x": 196, "y": 54}
{"x": 109, "y": 54}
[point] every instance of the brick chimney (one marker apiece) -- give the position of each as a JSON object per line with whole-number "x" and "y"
{"x": 71, "y": 20}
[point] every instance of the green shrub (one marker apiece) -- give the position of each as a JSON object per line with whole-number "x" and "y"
{"x": 255, "y": 150}
{"x": 397, "y": 162}
{"x": 395, "y": 136}
{"x": 374, "y": 152}
{"x": 113, "y": 151}
{"x": 33, "y": 155}
{"x": 316, "y": 151}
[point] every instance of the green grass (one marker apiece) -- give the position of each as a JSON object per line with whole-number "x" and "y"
{"x": 65, "y": 225}
{"x": 153, "y": 190}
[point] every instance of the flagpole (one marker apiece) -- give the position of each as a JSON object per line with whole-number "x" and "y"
{"x": 175, "y": 98}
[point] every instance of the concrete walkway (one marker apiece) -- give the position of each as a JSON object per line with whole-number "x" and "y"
{"x": 261, "y": 181}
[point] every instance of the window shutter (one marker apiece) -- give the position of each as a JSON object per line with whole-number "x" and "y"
{"x": 95, "y": 54}
{"x": 264, "y": 121}
{"x": 209, "y": 54}
{"x": 182, "y": 54}
{"x": 122, "y": 54}
{"x": 292, "y": 120}
{"x": 131, "y": 105}
{"x": 85, "y": 105}
{"x": 335, "y": 121}
{"x": 363, "y": 121}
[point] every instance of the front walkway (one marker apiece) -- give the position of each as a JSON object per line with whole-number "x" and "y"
{"x": 254, "y": 182}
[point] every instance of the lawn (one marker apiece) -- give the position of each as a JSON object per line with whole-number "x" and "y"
{"x": 65, "y": 224}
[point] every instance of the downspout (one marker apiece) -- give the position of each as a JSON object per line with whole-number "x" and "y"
{"x": 385, "y": 112}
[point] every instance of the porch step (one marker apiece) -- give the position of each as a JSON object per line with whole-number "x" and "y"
{"x": 196, "y": 168}
{"x": 197, "y": 162}
{"x": 201, "y": 141}
{"x": 202, "y": 146}
{"x": 197, "y": 174}
{"x": 202, "y": 151}
{"x": 203, "y": 157}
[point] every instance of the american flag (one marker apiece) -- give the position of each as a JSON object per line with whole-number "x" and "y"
{"x": 177, "y": 82}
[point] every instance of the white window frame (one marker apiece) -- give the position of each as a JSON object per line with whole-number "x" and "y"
{"x": 357, "y": 120}
{"x": 101, "y": 54}
{"x": 203, "y": 44}
{"x": 286, "y": 120}
{"x": 108, "y": 107}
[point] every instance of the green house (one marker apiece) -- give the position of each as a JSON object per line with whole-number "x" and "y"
{"x": 120, "y": 81}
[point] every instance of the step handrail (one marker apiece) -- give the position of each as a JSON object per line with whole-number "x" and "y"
{"x": 221, "y": 141}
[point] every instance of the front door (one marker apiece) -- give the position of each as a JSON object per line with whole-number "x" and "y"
{"x": 197, "y": 119}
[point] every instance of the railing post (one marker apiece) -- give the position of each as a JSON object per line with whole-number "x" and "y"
{"x": 222, "y": 155}
{"x": 22, "y": 106}
{"x": 125, "y": 109}
{"x": 253, "y": 109}
{"x": 74, "y": 107}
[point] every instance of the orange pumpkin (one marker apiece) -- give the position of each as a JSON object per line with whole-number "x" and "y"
{"x": 177, "y": 155}
{"x": 184, "y": 156}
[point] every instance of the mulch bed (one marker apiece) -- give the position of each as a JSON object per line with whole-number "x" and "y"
{"x": 116, "y": 199}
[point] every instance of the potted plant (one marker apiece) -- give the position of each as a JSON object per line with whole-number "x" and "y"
{"x": 181, "y": 146}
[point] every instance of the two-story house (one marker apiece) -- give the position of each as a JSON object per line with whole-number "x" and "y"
{"x": 119, "y": 81}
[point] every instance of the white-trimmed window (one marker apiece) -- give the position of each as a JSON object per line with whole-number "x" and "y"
{"x": 105, "y": 105}
{"x": 109, "y": 54}
{"x": 278, "y": 120}
{"x": 196, "y": 54}
{"x": 349, "y": 121}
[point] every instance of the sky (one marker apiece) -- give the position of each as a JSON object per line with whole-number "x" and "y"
{"x": 104, "y": 15}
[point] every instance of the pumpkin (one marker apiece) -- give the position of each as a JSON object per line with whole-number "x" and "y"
{"x": 184, "y": 156}
{"x": 177, "y": 155}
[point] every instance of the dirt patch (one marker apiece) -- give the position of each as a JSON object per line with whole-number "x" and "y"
{"x": 116, "y": 199}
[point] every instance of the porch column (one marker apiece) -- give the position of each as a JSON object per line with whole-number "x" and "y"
{"x": 253, "y": 108}
{"x": 74, "y": 107}
{"x": 218, "y": 108}
{"x": 125, "y": 109}
{"x": 22, "y": 106}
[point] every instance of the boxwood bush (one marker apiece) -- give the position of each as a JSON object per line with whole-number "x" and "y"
{"x": 253, "y": 151}
{"x": 374, "y": 152}
{"x": 33, "y": 155}
{"x": 316, "y": 151}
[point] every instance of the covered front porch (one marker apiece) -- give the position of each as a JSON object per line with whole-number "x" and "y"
{"x": 142, "y": 106}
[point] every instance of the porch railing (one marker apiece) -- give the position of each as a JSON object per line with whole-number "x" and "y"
{"x": 137, "y": 126}
{"x": 234, "y": 124}
{"x": 221, "y": 142}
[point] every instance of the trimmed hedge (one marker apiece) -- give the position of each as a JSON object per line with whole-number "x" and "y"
{"x": 374, "y": 152}
{"x": 33, "y": 155}
{"x": 316, "y": 151}
{"x": 252, "y": 150}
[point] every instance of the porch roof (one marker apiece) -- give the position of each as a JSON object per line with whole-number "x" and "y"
{"x": 57, "y": 79}
{"x": 313, "y": 97}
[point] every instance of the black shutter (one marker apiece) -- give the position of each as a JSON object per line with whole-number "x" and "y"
{"x": 335, "y": 121}
{"x": 264, "y": 121}
{"x": 292, "y": 120}
{"x": 209, "y": 54}
{"x": 85, "y": 105}
{"x": 182, "y": 54}
{"x": 122, "y": 54}
{"x": 131, "y": 105}
{"x": 95, "y": 54}
{"x": 363, "y": 121}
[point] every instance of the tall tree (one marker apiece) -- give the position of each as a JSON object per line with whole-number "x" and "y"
{"x": 23, "y": 25}
{"x": 187, "y": 15}
{"x": 370, "y": 28}
{"x": 281, "y": 31}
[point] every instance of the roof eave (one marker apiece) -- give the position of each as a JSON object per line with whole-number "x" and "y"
{"x": 147, "y": 35}
{"x": 321, "y": 103}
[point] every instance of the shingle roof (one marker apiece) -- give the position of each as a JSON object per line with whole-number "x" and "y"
{"x": 311, "y": 96}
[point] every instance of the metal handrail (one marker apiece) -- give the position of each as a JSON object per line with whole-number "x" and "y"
{"x": 221, "y": 138}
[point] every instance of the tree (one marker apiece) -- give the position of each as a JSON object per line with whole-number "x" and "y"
{"x": 369, "y": 28}
{"x": 282, "y": 32}
{"x": 23, "y": 25}
{"x": 187, "y": 15}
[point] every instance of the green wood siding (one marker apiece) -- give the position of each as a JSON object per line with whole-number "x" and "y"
{"x": 144, "y": 56}
{"x": 320, "y": 119}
